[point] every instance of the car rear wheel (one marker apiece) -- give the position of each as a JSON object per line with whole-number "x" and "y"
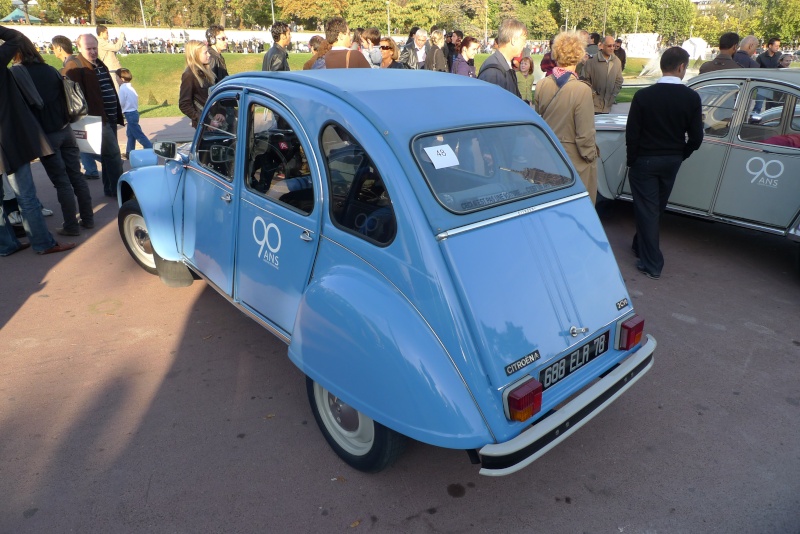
{"x": 358, "y": 440}
{"x": 133, "y": 230}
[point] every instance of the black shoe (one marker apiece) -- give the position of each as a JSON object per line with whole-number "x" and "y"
{"x": 65, "y": 231}
{"x": 92, "y": 176}
{"x": 86, "y": 224}
{"x": 648, "y": 274}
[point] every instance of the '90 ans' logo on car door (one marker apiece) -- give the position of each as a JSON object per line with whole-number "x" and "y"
{"x": 268, "y": 236}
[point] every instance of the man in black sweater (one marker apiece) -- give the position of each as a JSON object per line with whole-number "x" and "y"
{"x": 659, "y": 137}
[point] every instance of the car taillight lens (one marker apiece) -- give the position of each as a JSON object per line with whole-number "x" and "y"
{"x": 630, "y": 332}
{"x": 524, "y": 400}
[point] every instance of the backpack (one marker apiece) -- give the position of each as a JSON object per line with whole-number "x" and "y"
{"x": 77, "y": 108}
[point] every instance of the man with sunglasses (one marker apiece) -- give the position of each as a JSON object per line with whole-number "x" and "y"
{"x": 217, "y": 43}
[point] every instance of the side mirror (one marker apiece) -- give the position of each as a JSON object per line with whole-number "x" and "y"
{"x": 165, "y": 149}
{"x": 222, "y": 154}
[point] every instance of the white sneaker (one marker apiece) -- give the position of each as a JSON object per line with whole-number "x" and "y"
{"x": 46, "y": 212}
{"x": 15, "y": 217}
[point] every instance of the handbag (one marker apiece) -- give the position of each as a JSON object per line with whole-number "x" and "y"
{"x": 89, "y": 133}
{"x": 77, "y": 107}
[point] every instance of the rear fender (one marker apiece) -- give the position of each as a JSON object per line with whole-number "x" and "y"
{"x": 155, "y": 189}
{"x": 612, "y": 167}
{"x": 358, "y": 337}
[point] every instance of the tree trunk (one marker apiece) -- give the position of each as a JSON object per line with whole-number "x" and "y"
{"x": 92, "y": 14}
{"x": 27, "y": 17}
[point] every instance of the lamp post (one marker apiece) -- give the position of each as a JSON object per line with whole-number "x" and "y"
{"x": 272, "y": 5}
{"x": 388, "y": 20}
{"x": 486, "y": 23}
{"x": 566, "y": 21}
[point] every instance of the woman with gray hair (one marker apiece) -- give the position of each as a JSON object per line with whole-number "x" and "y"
{"x": 565, "y": 103}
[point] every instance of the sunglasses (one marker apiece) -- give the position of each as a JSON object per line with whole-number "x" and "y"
{"x": 386, "y": 47}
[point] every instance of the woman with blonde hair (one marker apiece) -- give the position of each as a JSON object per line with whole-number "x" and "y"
{"x": 565, "y": 103}
{"x": 435, "y": 59}
{"x": 390, "y": 52}
{"x": 195, "y": 81}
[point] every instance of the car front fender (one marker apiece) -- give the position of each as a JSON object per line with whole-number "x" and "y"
{"x": 155, "y": 188}
{"x": 358, "y": 337}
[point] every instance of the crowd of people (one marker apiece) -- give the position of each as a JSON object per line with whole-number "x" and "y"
{"x": 583, "y": 76}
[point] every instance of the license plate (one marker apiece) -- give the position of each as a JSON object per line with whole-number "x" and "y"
{"x": 558, "y": 371}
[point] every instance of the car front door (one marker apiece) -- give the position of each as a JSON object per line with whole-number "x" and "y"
{"x": 279, "y": 215}
{"x": 208, "y": 194}
{"x": 761, "y": 181}
{"x": 699, "y": 175}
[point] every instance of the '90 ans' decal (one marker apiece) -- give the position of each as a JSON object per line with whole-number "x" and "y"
{"x": 267, "y": 236}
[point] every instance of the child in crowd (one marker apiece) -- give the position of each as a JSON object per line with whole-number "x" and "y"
{"x": 129, "y": 101}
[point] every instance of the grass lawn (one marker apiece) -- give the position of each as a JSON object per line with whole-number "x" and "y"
{"x": 157, "y": 77}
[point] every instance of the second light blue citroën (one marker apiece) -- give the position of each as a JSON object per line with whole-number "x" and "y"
{"x": 418, "y": 240}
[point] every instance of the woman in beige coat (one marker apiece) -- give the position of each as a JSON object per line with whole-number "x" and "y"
{"x": 565, "y": 103}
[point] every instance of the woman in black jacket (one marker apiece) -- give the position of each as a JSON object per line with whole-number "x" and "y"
{"x": 195, "y": 81}
{"x": 63, "y": 167}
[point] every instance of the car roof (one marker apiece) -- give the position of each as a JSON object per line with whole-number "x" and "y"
{"x": 788, "y": 76}
{"x": 404, "y": 101}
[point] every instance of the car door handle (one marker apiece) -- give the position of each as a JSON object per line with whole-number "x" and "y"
{"x": 306, "y": 236}
{"x": 226, "y": 197}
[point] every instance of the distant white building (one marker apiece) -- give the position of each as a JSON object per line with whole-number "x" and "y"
{"x": 705, "y": 5}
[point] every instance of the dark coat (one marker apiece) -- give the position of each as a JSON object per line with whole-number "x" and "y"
{"x": 744, "y": 60}
{"x": 496, "y": 70}
{"x": 276, "y": 59}
{"x": 217, "y": 64}
{"x": 721, "y": 62}
{"x": 765, "y": 61}
{"x": 192, "y": 97}
{"x": 435, "y": 60}
{"x": 82, "y": 72}
{"x": 21, "y": 138}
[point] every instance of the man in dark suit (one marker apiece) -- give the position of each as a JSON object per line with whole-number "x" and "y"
{"x": 658, "y": 138}
{"x": 497, "y": 68}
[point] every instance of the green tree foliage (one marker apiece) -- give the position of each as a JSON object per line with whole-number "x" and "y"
{"x": 317, "y": 10}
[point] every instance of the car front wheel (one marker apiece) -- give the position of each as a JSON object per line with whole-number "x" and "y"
{"x": 134, "y": 234}
{"x": 358, "y": 440}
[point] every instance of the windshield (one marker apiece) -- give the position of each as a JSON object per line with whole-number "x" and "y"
{"x": 471, "y": 170}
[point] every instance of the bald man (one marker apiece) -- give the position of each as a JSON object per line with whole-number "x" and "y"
{"x": 747, "y": 49}
{"x": 604, "y": 74}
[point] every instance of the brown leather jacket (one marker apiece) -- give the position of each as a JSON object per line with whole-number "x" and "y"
{"x": 77, "y": 68}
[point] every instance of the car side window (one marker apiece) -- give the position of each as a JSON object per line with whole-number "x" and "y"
{"x": 276, "y": 166}
{"x": 216, "y": 147}
{"x": 719, "y": 103}
{"x": 360, "y": 202}
{"x": 767, "y": 119}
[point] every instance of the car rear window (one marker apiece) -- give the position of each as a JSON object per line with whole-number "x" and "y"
{"x": 475, "y": 169}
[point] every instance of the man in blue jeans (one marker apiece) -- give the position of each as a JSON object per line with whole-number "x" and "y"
{"x": 665, "y": 125}
{"x": 21, "y": 140}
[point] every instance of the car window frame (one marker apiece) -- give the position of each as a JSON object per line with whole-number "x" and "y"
{"x": 562, "y": 156}
{"x": 259, "y": 99}
{"x": 787, "y": 114}
{"x": 207, "y": 110}
{"x": 331, "y": 200}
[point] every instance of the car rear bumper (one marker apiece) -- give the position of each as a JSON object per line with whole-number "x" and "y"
{"x": 500, "y": 459}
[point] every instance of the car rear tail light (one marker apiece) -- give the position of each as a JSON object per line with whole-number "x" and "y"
{"x": 630, "y": 332}
{"x": 523, "y": 400}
